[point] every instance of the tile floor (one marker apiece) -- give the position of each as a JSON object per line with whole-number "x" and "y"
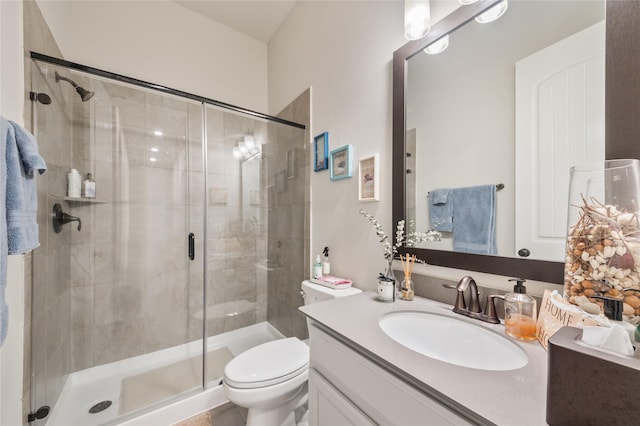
{"x": 228, "y": 414}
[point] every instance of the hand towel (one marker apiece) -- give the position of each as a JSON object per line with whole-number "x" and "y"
{"x": 474, "y": 219}
{"x": 441, "y": 210}
{"x": 18, "y": 226}
{"x": 23, "y": 160}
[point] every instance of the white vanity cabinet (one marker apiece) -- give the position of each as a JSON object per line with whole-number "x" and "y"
{"x": 345, "y": 388}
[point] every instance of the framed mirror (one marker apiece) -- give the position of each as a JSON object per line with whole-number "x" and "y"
{"x": 410, "y": 192}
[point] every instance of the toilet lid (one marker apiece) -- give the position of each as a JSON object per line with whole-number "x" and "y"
{"x": 268, "y": 364}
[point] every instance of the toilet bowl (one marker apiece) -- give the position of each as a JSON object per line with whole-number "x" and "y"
{"x": 271, "y": 379}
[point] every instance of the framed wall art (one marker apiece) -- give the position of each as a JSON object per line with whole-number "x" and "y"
{"x": 340, "y": 163}
{"x": 321, "y": 152}
{"x": 369, "y": 178}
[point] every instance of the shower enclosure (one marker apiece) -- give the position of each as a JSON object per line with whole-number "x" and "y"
{"x": 170, "y": 273}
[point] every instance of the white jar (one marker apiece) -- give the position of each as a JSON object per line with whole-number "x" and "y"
{"x": 74, "y": 184}
{"x": 386, "y": 290}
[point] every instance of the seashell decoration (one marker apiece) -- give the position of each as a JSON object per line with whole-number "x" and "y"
{"x": 603, "y": 258}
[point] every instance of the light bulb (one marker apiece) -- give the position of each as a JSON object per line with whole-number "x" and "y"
{"x": 494, "y": 13}
{"x": 417, "y": 19}
{"x": 236, "y": 152}
{"x": 437, "y": 46}
{"x": 249, "y": 141}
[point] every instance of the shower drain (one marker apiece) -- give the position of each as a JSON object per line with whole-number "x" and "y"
{"x": 100, "y": 406}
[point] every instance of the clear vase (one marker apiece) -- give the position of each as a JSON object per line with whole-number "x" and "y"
{"x": 406, "y": 288}
{"x": 603, "y": 237}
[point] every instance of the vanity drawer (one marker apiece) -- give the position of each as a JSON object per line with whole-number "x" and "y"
{"x": 380, "y": 395}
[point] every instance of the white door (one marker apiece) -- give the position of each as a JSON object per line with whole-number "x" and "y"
{"x": 559, "y": 124}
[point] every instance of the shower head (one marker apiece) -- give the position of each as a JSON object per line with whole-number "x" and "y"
{"x": 85, "y": 95}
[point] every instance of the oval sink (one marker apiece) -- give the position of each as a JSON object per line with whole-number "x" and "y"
{"x": 453, "y": 341}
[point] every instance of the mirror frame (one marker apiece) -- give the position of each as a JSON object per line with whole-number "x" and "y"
{"x": 539, "y": 270}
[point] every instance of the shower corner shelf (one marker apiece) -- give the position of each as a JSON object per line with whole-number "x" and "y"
{"x": 84, "y": 200}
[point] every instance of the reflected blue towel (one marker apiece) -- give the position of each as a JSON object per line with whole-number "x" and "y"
{"x": 18, "y": 227}
{"x": 474, "y": 219}
{"x": 441, "y": 210}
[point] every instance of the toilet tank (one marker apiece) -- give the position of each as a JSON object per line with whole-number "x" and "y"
{"x": 314, "y": 293}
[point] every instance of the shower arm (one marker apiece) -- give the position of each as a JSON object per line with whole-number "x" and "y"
{"x": 68, "y": 80}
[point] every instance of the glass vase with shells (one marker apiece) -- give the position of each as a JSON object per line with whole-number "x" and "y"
{"x": 603, "y": 238}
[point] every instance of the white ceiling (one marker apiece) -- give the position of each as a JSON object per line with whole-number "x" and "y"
{"x": 259, "y": 19}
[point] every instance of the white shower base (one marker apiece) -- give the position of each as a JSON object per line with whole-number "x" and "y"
{"x": 85, "y": 388}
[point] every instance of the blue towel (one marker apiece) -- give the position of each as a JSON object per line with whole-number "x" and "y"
{"x": 474, "y": 219}
{"x": 441, "y": 210}
{"x": 18, "y": 227}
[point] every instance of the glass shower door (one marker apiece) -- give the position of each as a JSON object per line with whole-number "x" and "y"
{"x": 113, "y": 326}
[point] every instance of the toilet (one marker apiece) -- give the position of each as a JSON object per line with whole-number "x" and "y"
{"x": 271, "y": 379}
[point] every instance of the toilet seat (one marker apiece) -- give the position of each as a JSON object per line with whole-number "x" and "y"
{"x": 268, "y": 364}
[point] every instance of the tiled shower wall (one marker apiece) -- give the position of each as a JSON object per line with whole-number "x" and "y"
{"x": 289, "y": 219}
{"x": 134, "y": 291}
{"x": 129, "y": 270}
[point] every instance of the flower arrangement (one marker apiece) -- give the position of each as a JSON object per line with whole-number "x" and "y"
{"x": 409, "y": 240}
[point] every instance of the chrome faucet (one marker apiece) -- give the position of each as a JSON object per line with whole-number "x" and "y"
{"x": 474, "y": 310}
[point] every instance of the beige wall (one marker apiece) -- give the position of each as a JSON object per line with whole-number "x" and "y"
{"x": 11, "y": 107}
{"x": 343, "y": 50}
{"x": 163, "y": 43}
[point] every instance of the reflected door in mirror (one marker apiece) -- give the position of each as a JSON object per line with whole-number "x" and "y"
{"x": 559, "y": 124}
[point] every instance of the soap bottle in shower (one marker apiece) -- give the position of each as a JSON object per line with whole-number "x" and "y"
{"x": 89, "y": 187}
{"x": 520, "y": 313}
{"x": 74, "y": 184}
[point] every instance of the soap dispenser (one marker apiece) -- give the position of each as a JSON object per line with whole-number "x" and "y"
{"x": 520, "y": 313}
{"x": 326, "y": 266}
{"x": 317, "y": 268}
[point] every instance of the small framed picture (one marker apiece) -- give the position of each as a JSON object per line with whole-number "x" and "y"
{"x": 369, "y": 174}
{"x": 340, "y": 163}
{"x": 321, "y": 152}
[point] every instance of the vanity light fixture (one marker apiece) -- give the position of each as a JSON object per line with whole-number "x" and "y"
{"x": 249, "y": 141}
{"x": 417, "y": 19}
{"x": 245, "y": 147}
{"x": 494, "y": 13}
{"x": 437, "y": 46}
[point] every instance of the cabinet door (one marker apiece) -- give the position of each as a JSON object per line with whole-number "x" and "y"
{"x": 377, "y": 393}
{"x": 327, "y": 406}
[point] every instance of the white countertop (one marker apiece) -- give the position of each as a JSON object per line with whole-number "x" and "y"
{"x": 515, "y": 397}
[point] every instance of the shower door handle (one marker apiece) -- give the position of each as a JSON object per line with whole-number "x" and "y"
{"x": 192, "y": 246}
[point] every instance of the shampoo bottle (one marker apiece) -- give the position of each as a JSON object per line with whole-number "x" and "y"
{"x": 317, "y": 268}
{"x": 520, "y": 313}
{"x": 74, "y": 184}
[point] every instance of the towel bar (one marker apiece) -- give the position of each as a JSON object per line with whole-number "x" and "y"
{"x": 499, "y": 186}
